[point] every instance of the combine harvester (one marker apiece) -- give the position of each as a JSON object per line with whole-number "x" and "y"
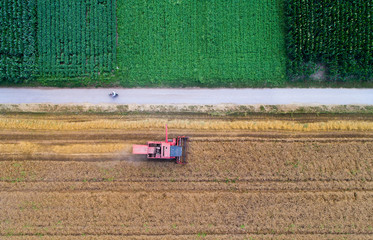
{"x": 175, "y": 149}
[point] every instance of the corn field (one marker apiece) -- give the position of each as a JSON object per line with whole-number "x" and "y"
{"x": 18, "y": 39}
{"x": 336, "y": 34}
{"x": 197, "y": 42}
{"x": 174, "y": 43}
{"x": 76, "y": 38}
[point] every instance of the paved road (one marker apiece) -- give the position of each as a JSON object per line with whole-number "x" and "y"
{"x": 188, "y": 96}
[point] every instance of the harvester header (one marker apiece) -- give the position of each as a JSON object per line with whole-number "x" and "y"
{"x": 175, "y": 148}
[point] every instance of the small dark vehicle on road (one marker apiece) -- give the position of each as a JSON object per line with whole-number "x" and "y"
{"x": 113, "y": 94}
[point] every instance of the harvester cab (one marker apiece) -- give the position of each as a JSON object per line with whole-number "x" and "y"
{"x": 175, "y": 148}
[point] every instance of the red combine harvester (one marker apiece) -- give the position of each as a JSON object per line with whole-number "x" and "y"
{"x": 175, "y": 148}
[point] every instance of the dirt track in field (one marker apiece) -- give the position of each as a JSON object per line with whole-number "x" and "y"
{"x": 238, "y": 184}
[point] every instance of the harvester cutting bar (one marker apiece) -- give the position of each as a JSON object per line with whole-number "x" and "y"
{"x": 182, "y": 141}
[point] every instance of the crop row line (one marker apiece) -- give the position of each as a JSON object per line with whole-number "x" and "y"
{"x": 211, "y": 190}
{"x": 207, "y": 233}
{"x": 214, "y": 180}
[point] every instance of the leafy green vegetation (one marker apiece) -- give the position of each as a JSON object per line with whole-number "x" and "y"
{"x": 179, "y": 43}
{"x": 333, "y": 38}
{"x": 76, "y": 38}
{"x": 18, "y": 40}
{"x": 199, "y": 43}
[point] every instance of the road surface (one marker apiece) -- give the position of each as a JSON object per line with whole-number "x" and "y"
{"x": 274, "y": 96}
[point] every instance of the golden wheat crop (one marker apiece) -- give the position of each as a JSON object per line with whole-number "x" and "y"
{"x": 21, "y": 147}
{"x": 61, "y": 125}
{"x": 32, "y": 148}
{"x": 91, "y": 148}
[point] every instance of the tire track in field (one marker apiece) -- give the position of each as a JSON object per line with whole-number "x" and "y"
{"x": 188, "y": 185}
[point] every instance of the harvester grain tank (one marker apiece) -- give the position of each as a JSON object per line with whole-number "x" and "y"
{"x": 174, "y": 149}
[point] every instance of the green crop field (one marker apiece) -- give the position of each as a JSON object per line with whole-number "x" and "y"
{"x": 17, "y": 39}
{"x": 335, "y": 34}
{"x": 209, "y": 43}
{"x": 176, "y": 43}
{"x": 76, "y": 38}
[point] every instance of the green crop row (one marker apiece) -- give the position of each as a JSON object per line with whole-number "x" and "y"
{"x": 332, "y": 34}
{"x": 200, "y": 43}
{"x": 76, "y": 38}
{"x": 18, "y": 39}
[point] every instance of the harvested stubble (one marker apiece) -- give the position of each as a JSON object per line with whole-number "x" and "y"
{"x": 247, "y": 160}
{"x": 266, "y": 185}
{"x": 205, "y": 236}
{"x": 149, "y": 213}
